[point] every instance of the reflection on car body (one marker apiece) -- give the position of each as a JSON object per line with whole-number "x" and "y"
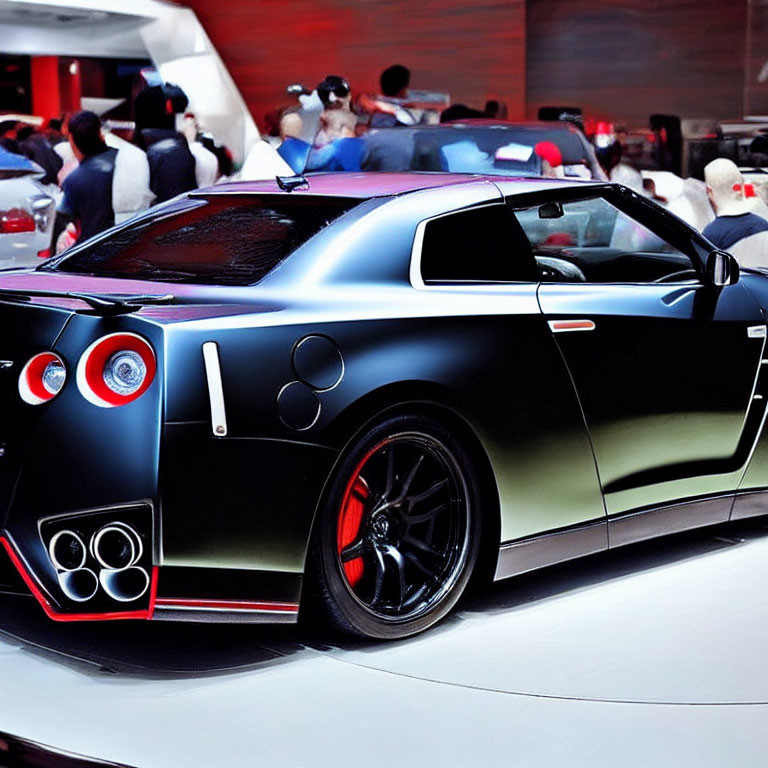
{"x": 353, "y": 397}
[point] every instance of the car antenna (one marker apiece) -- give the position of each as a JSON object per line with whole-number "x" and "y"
{"x": 289, "y": 183}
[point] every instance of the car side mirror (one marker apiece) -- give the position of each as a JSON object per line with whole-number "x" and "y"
{"x": 722, "y": 269}
{"x": 551, "y": 211}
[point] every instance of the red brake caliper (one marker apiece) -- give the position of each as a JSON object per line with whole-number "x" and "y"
{"x": 350, "y": 517}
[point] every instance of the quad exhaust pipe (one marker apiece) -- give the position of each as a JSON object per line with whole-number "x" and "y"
{"x": 67, "y": 551}
{"x": 116, "y": 547}
{"x": 79, "y": 585}
{"x": 125, "y": 585}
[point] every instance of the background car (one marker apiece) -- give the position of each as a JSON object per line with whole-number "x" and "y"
{"x": 352, "y": 398}
{"x": 27, "y": 212}
{"x": 490, "y": 147}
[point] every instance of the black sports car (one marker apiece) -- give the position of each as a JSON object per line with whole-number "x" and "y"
{"x": 355, "y": 395}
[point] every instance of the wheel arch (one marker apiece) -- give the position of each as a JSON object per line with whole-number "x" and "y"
{"x": 428, "y": 399}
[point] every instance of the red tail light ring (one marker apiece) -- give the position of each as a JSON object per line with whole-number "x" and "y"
{"x": 116, "y": 369}
{"x": 42, "y": 378}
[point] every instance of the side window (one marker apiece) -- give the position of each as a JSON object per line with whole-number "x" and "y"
{"x": 593, "y": 241}
{"x": 479, "y": 245}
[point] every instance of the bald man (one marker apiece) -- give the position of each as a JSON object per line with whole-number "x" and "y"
{"x": 735, "y": 228}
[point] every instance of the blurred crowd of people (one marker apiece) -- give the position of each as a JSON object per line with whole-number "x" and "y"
{"x": 311, "y": 134}
{"x": 102, "y": 177}
{"x": 728, "y": 210}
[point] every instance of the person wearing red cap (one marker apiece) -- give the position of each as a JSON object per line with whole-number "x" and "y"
{"x": 551, "y": 159}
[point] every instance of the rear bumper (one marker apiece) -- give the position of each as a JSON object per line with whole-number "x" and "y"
{"x": 223, "y": 541}
{"x": 224, "y": 521}
{"x": 53, "y": 611}
{"x": 177, "y": 604}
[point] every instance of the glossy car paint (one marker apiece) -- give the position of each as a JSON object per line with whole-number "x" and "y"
{"x": 665, "y": 382}
{"x": 660, "y": 402}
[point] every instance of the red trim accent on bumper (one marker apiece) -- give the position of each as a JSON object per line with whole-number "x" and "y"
{"x": 55, "y": 615}
{"x": 152, "y": 593}
{"x": 229, "y": 605}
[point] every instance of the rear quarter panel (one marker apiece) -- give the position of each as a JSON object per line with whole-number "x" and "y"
{"x": 248, "y": 500}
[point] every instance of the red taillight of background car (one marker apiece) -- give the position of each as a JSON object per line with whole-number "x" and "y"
{"x": 42, "y": 378}
{"x": 16, "y": 220}
{"x": 116, "y": 370}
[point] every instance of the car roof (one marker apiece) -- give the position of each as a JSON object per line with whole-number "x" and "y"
{"x": 366, "y": 185}
{"x": 568, "y": 138}
{"x": 525, "y": 125}
{"x": 358, "y": 184}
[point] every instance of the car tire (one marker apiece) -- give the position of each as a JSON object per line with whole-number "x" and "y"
{"x": 399, "y": 532}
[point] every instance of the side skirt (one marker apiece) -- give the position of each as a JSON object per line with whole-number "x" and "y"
{"x": 750, "y": 504}
{"x": 643, "y": 524}
{"x": 523, "y": 555}
{"x": 227, "y": 595}
{"x": 528, "y": 554}
{"x": 225, "y": 611}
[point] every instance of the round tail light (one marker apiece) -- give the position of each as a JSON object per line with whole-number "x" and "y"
{"x": 116, "y": 369}
{"x": 42, "y": 378}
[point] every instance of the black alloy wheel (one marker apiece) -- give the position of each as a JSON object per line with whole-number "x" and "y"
{"x": 400, "y": 532}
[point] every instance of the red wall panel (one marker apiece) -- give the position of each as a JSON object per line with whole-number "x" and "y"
{"x": 44, "y": 74}
{"x": 474, "y": 50}
{"x": 618, "y": 59}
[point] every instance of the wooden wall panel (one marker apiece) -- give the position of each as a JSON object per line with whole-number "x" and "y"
{"x": 474, "y": 49}
{"x": 756, "y": 89}
{"x": 625, "y": 59}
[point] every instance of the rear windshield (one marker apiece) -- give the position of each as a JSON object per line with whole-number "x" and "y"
{"x": 218, "y": 241}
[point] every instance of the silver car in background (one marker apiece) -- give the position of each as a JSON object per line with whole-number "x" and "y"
{"x": 27, "y": 212}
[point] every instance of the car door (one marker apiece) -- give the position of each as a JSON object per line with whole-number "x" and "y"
{"x": 665, "y": 364}
{"x": 474, "y": 268}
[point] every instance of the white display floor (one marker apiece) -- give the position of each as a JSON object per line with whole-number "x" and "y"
{"x": 649, "y": 656}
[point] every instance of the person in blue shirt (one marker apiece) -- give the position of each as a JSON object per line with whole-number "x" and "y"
{"x": 736, "y": 228}
{"x": 87, "y": 191}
